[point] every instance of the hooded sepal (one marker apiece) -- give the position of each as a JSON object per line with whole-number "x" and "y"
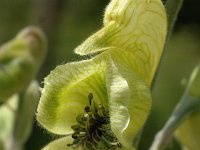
{"x": 65, "y": 94}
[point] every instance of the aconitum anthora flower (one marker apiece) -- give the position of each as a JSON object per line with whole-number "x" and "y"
{"x": 103, "y": 102}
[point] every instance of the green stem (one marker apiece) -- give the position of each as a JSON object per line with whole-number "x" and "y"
{"x": 182, "y": 110}
{"x": 172, "y": 8}
{"x": 12, "y": 142}
{"x": 27, "y": 104}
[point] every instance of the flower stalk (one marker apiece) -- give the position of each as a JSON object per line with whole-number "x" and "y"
{"x": 27, "y": 104}
{"x": 184, "y": 108}
{"x": 190, "y": 103}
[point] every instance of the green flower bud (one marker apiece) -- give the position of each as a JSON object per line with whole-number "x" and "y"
{"x": 20, "y": 60}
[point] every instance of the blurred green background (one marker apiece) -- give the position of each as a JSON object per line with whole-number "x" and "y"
{"x": 68, "y": 22}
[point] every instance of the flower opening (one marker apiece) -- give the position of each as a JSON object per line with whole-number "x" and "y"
{"x": 93, "y": 129}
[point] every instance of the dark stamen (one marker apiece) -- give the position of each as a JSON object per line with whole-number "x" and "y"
{"x": 93, "y": 129}
{"x": 90, "y": 97}
{"x": 87, "y": 109}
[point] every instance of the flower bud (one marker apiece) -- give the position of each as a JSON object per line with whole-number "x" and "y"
{"x": 20, "y": 60}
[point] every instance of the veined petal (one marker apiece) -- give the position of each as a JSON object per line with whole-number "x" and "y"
{"x": 60, "y": 144}
{"x": 118, "y": 94}
{"x": 65, "y": 92}
{"x": 98, "y": 42}
{"x": 129, "y": 100}
{"x": 133, "y": 25}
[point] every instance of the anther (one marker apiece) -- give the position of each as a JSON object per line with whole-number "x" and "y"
{"x": 90, "y": 97}
{"x": 74, "y": 136}
{"x": 87, "y": 109}
{"x": 119, "y": 145}
{"x": 69, "y": 144}
{"x": 93, "y": 128}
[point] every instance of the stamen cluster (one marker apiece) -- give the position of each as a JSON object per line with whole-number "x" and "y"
{"x": 93, "y": 131}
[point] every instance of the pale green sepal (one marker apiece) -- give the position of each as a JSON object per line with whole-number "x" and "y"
{"x": 60, "y": 144}
{"x": 140, "y": 27}
{"x": 65, "y": 94}
{"x": 20, "y": 59}
{"x": 131, "y": 25}
{"x": 118, "y": 95}
{"x": 129, "y": 100}
{"x": 7, "y": 117}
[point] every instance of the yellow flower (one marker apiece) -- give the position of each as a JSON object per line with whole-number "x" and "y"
{"x": 126, "y": 53}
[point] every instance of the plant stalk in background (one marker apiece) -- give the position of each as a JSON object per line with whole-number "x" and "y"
{"x": 185, "y": 118}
